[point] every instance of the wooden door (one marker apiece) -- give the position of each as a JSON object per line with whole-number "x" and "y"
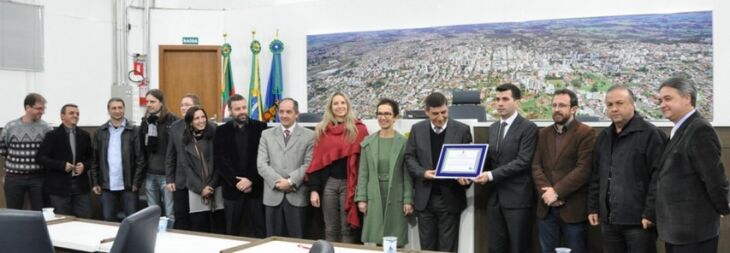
{"x": 191, "y": 69}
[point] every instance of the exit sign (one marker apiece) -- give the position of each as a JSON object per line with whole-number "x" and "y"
{"x": 190, "y": 40}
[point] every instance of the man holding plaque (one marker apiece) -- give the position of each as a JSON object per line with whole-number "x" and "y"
{"x": 510, "y": 202}
{"x": 561, "y": 168}
{"x": 439, "y": 202}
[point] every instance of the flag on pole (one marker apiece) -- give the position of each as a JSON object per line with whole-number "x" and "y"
{"x": 276, "y": 84}
{"x": 227, "y": 89}
{"x": 254, "y": 89}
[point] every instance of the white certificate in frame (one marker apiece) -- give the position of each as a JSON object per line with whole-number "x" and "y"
{"x": 461, "y": 160}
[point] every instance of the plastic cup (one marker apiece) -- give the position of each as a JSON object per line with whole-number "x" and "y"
{"x": 48, "y": 213}
{"x": 162, "y": 226}
{"x": 562, "y": 250}
{"x": 390, "y": 244}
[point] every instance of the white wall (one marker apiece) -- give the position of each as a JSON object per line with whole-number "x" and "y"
{"x": 78, "y": 39}
{"x": 77, "y": 64}
{"x": 297, "y": 20}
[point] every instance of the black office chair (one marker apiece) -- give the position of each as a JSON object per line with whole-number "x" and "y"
{"x": 467, "y": 105}
{"x": 138, "y": 232}
{"x": 23, "y": 231}
{"x": 307, "y": 117}
{"x": 322, "y": 246}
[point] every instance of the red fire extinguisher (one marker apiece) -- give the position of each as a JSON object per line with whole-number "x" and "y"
{"x": 137, "y": 76}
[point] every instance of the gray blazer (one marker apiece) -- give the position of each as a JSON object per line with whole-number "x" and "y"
{"x": 277, "y": 160}
{"x": 172, "y": 159}
{"x": 418, "y": 160}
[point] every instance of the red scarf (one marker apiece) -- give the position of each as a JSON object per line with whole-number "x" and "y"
{"x": 332, "y": 146}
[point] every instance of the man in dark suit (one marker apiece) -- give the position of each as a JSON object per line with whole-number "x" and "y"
{"x": 619, "y": 198}
{"x": 236, "y": 145}
{"x": 692, "y": 188}
{"x": 66, "y": 153}
{"x": 561, "y": 168}
{"x": 512, "y": 142}
{"x": 438, "y": 202}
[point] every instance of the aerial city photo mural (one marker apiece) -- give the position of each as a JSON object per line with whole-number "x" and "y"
{"x": 587, "y": 55}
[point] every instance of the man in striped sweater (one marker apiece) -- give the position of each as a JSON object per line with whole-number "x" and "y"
{"x": 19, "y": 142}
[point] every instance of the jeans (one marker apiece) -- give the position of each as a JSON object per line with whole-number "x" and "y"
{"x": 627, "y": 238}
{"x": 78, "y": 205}
{"x": 17, "y": 185}
{"x": 333, "y": 197}
{"x": 155, "y": 188}
{"x": 552, "y": 228}
{"x": 110, "y": 201}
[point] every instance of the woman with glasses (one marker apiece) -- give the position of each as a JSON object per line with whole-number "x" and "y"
{"x": 205, "y": 196}
{"x": 385, "y": 189}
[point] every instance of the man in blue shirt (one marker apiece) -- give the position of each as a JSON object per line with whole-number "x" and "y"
{"x": 117, "y": 171}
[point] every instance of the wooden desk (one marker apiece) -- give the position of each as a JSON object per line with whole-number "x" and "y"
{"x": 97, "y": 236}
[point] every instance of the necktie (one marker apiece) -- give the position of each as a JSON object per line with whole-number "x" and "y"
{"x": 287, "y": 134}
{"x": 500, "y": 135}
{"x": 438, "y": 130}
{"x": 72, "y": 144}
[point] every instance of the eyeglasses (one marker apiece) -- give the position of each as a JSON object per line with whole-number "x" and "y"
{"x": 384, "y": 114}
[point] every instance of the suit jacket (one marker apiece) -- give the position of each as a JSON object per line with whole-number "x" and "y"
{"x": 172, "y": 159}
{"x": 55, "y": 152}
{"x": 389, "y": 219}
{"x": 511, "y": 166}
{"x": 192, "y": 165}
{"x": 418, "y": 160}
{"x": 231, "y": 162}
{"x": 692, "y": 188}
{"x": 278, "y": 160}
{"x": 567, "y": 170}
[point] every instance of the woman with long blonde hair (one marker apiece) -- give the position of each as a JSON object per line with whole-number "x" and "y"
{"x": 332, "y": 174}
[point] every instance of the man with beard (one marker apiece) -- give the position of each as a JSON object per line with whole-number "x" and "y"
{"x": 236, "y": 146}
{"x": 561, "y": 168}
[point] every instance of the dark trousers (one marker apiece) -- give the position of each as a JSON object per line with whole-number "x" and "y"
{"x": 78, "y": 205}
{"x": 553, "y": 228}
{"x": 253, "y": 208}
{"x": 111, "y": 200}
{"x": 182, "y": 209}
{"x": 209, "y": 222}
{"x": 707, "y": 246}
{"x": 438, "y": 228}
{"x": 285, "y": 217}
{"x": 627, "y": 239}
{"x": 17, "y": 186}
{"x": 510, "y": 229}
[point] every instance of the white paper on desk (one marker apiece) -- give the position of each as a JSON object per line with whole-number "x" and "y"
{"x": 197, "y": 205}
{"x": 460, "y": 160}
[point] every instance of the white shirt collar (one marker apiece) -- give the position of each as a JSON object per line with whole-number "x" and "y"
{"x": 291, "y": 128}
{"x": 681, "y": 121}
{"x": 510, "y": 119}
{"x": 433, "y": 127}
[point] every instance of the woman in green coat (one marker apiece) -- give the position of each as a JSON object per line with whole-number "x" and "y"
{"x": 384, "y": 187}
